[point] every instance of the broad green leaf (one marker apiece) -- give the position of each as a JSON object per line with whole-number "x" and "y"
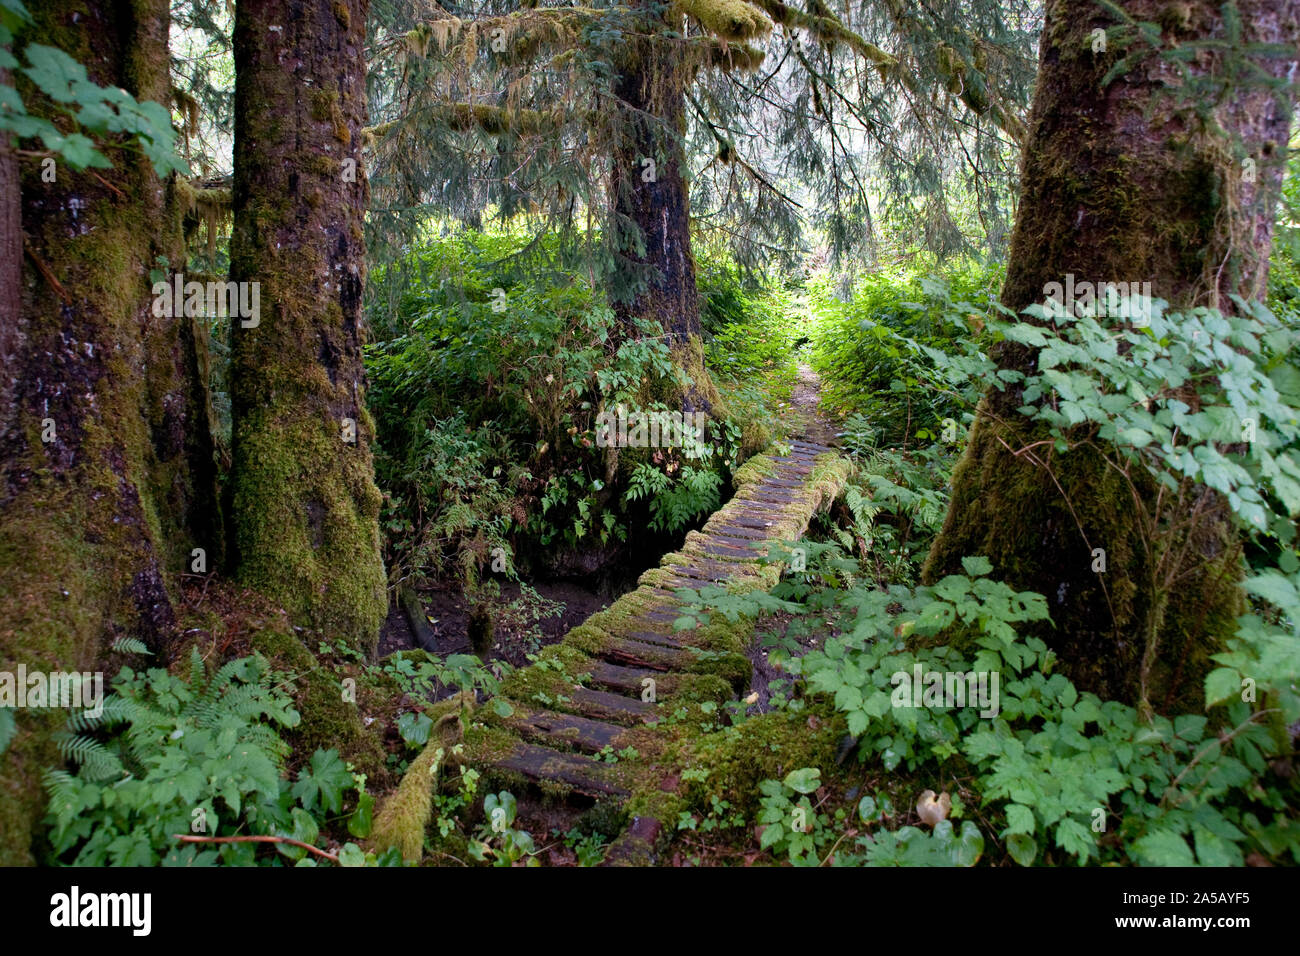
{"x": 351, "y": 855}
{"x": 1163, "y": 848}
{"x": 1022, "y": 848}
{"x": 1020, "y": 819}
{"x": 804, "y": 780}
{"x": 362, "y": 818}
{"x": 1221, "y": 684}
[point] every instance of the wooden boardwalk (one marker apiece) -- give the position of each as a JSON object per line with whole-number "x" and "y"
{"x": 597, "y": 718}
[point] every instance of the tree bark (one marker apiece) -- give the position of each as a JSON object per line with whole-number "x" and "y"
{"x": 106, "y": 474}
{"x": 303, "y": 506}
{"x": 1122, "y": 183}
{"x": 651, "y": 197}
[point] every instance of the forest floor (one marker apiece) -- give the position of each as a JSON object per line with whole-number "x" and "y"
{"x": 805, "y": 407}
{"x": 524, "y": 624}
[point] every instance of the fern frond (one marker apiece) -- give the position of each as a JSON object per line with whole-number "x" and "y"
{"x": 198, "y": 674}
{"x": 62, "y": 788}
{"x": 222, "y": 679}
{"x": 96, "y": 761}
{"x": 130, "y": 645}
{"x": 263, "y": 737}
{"x": 115, "y": 710}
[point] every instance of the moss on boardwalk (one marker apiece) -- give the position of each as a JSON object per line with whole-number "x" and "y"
{"x": 628, "y": 674}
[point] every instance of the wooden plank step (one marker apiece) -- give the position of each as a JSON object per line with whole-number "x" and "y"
{"x": 676, "y": 582}
{"x": 746, "y": 521}
{"x": 626, "y": 680}
{"x": 602, "y": 705}
{"x": 622, "y": 650}
{"x": 721, "y": 552}
{"x": 745, "y": 503}
{"x": 701, "y": 578}
{"x": 732, "y": 530}
{"x": 582, "y": 733}
{"x": 636, "y": 847}
{"x": 659, "y": 613}
{"x": 703, "y": 567}
{"x": 665, "y": 638}
{"x": 755, "y": 545}
{"x": 582, "y": 774}
{"x": 780, "y": 483}
{"x": 751, "y": 496}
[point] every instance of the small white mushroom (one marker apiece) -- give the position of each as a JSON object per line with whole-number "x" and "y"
{"x": 933, "y": 811}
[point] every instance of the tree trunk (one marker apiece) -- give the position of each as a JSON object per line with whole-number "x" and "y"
{"x": 303, "y": 507}
{"x": 651, "y": 197}
{"x": 1122, "y": 183}
{"x": 107, "y": 478}
{"x": 11, "y": 273}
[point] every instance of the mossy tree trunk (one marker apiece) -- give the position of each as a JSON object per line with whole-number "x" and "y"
{"x": 1121, "y": 183}
{"x": 303, "y": 507}
{"x": 650, "y": 193}
{"x": 107, "y": 479}
{"x": 11, "y": 272}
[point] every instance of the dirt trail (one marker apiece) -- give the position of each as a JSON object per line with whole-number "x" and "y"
{"x": 810, "y": 422}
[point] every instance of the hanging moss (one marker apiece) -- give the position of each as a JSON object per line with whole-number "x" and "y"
{"x": 729, "y": 19}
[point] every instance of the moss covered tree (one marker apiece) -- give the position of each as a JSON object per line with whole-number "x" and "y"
{"x": 107, "y": 480}
{"x": 1157, "y": 140}
{"x": 303, "y": 506}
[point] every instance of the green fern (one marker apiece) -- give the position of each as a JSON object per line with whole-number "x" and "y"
{"x": 97, "y": 761}
{"x": 130, "y": 645}
{"x": 168, "y": 747}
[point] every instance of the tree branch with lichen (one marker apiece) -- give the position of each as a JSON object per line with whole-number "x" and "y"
{"x": 958, "y": 74}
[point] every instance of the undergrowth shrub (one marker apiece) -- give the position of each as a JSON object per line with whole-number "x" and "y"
{"x": 868, "y": 350}
{"x": 486, "y": 385}
{"x": 1200, "y": 402}
{"x": 169, "y": 757}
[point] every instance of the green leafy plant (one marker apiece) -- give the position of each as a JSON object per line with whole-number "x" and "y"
{"x": 791, "y": 824}
{"x": 871, "y": 350}
{"x": 588, "y": 848}
{"x": 674, "y": 504}
{"x": 497, "y": 839}
{"x": 103, "y": 112}
{"x": 202, "y": 757}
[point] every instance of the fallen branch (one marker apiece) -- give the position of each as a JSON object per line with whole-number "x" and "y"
{"x": 187, "y": 838}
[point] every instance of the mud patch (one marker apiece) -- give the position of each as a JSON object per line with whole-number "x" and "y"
{"x": 524, "y": 622}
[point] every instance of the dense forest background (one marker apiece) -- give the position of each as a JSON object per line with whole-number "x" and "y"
{"x": 311, "y": 313}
